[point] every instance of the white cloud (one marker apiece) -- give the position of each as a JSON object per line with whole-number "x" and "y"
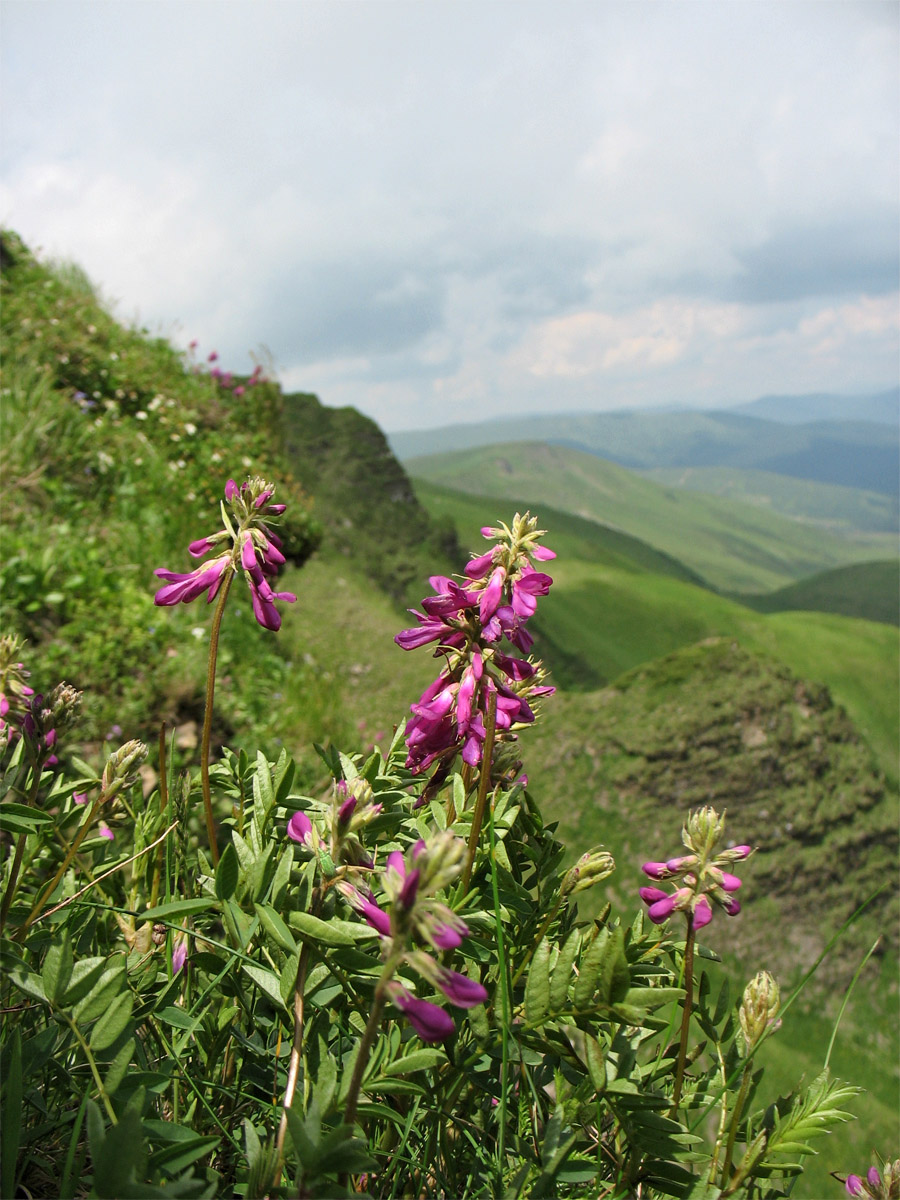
{"x": 424, "y": 208}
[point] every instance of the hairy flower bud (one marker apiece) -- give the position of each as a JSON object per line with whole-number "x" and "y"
{"x": 62, "y": 707}
{"x": 122, "y": 767}
{"x": 759, "y": 1008}
{"x": 593, "y": 867}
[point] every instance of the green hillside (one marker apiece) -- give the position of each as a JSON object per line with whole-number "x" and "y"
{"x": 603, "y": 617}
{"x": 734, "y": 547}
{"x": 858, "y": 454}
{"x": 867, "y": 590}
{"x": 842, "y": 510}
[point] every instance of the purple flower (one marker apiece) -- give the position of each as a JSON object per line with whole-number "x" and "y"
{"x": 854, "y": 1185}
{"x": 255, "y": 550}
{"x": 299, "y": 829}
{"x": 430, "y": 1021}
{"x": 179, "y": 956}
{"x": 460, "y": 989}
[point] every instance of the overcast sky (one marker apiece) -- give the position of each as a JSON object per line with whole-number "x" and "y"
{"x": 446, "y": 211}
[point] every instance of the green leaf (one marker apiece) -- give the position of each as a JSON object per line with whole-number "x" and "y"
{"x": 589, "y": 970}
{"x": 57, "y": 970}
{"x": 85, "y": 974}
{"x": 596, "y": 1063}
{"x": 227, "y": 873}
{"x": 562, "y": 971}
{"x": 419, "y": 1060}
{"x": 329, "y": 933}
{"x": 282, "y": 878}
{"x": 101, "y": 995}
{"x": 288, "y": 981}
{"x": 644, "y": 997}
{"x": 275, "y": 927}
{"x": 266, "y": 981}
{"x": 285, "y": 770}
{"x": 113, "y": 1022}
{"x": 21, "y": 818}
{"x": 180, "y": 1154}
{"x": 117, "y": 1068}
{"x": 537, "y": 985}
{"x": 177, "y": 908}
{"x": 26, "y": 981}
{"x": 11, "y": 1090}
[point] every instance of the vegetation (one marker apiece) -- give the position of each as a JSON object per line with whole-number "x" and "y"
{"x": 733, "y": 547}
{"x": 151, "y": 977}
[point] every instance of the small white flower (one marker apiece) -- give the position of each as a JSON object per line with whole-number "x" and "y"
{"x": 141, "y": 415}
{"x": 247, "y": 462}
{"x": 215, "y": 456}
{"x": 190, "y": 428}
{"x": 198, "y": 631}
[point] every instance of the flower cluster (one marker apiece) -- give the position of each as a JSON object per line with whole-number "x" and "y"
{"x": 469, "y": 621}
{"x": 245, "y": 543}
{"x": 414, "y": 915}
{"x": 702, "y": 873}
{"x": 15, "y": 694}
{"x": 879, "y": 1185}
{"x": 352, "y": 808}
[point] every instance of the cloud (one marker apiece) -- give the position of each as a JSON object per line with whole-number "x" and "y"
{"x": 425, "y": 208}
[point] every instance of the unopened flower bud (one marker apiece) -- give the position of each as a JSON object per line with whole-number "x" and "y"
{"x": 593, "y": 867}
{"x": 759, "y": 1008}
{"x": 122, "y": 767}
{"x": 703, "y": 831}
{"x": 61, "y": 708}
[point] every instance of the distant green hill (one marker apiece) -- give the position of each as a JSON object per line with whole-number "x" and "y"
{"x": 840, "y": 510}
{"x": 733, "y": 546}
{"x": 867, "y": 590}
{"x": 859, "y": 454}
{"x": 606, "y": 615}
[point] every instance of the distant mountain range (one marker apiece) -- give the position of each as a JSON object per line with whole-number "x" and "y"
{"x": 852, "y": 451}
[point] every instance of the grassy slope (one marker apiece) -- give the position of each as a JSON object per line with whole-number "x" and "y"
{"x": 614, "y": 616}
{"x": 734, "y": 546}
{"x": 839, "y": 509}
{"x": 867, "y": 590}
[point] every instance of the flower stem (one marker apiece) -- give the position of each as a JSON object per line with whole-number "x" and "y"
{"x": 20, "y": 850}
{"x": 735, "y": 1119}
{"x": 64, "y": 866}
{"x": 503, "y": 982}
{"x": 227, "y": 577}
{"x": 686, "y": 1015}
{"x": 365, "y": 1047}
{"x": 483, "y": 784}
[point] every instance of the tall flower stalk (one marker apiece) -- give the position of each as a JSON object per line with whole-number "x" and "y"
{"x": 702, "y": 876}
{"x": 245, "y": 543}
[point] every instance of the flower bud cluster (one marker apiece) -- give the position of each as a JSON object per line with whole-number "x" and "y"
{"x": 122, "y": 768}
{"x": 413, "y": 914}
{"x": 879, "y": 1185}
{"x": 469, "y": 622}
{"x": 352, "y": 807}
{"x": 593, "y": 867}
{"x": 15, "y": 694}
{"x": 759, "y": 1009}
{"x": 245, "y": 543}
{"x": 702, "y": 874}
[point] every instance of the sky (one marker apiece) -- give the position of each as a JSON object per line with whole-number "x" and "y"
{"x": 443, "y": 212}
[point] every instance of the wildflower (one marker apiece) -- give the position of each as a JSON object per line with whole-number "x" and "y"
{"x": 179, "y": 955}
{"x": 701, "y": 873}
{"x": 879, "y": 1185}
{"x": 15, "y": 694}
{"x": 410, "y": 883}
{"x": 105, "y": 832}
{"x": 468, "y": 620}
{"x": 238, "y": 391}
{"x": 247, "y": 543}
{"x": 122, "y": 768}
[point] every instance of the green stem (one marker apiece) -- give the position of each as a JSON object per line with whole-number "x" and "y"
{"x": 104, "y": 1095}
{"x": 163, "y": 808}
{"x": 227, "y": 577}
{"x": 483, "y": 784}
{"x": 503, "y": 982}
{"x": 64, "y": 866}
{"x": 735, "y": 1120}
{"x": 20, "y": 852}
{"x": 686, "y": 1015}
{"x": 538, "y": 939}
{"x": 365, "y": 1047}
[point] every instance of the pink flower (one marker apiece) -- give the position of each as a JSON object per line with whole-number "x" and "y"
{"x": 430, "y": 1021}
{"x": 179, "y": 956}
